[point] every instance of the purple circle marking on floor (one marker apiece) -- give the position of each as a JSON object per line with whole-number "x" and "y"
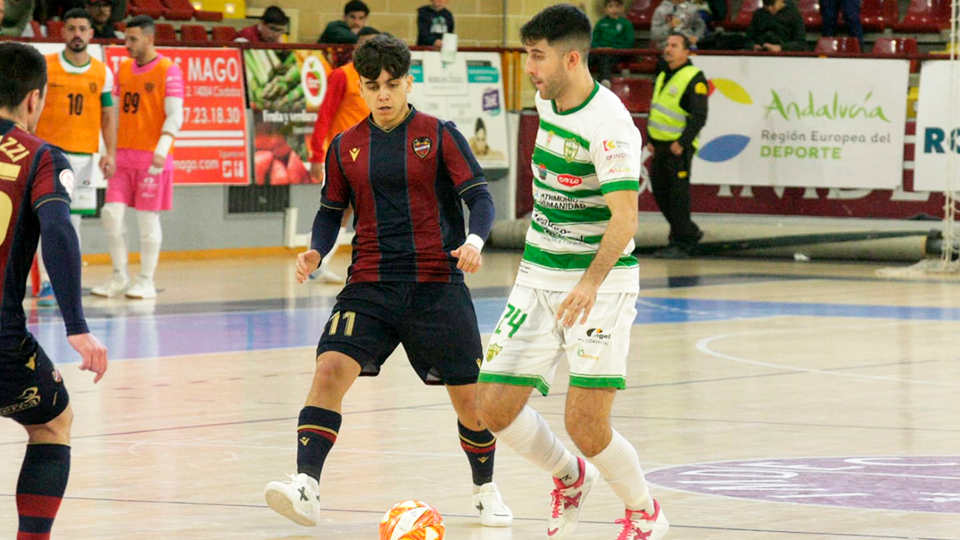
{"x": 911, "y": 483}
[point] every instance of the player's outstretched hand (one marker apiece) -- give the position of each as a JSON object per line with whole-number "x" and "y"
{"x": 92, "y": 352}
{"x": 579, "y": 300}
{"x": 307, "y": 262}
{"x": 470, "y": 258}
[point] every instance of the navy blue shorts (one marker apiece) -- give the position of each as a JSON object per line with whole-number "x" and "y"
{"x": 31, "y": 389}
{"x": 435, "y": 322}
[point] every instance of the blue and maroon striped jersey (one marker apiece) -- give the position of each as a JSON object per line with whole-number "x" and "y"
{"x": 32, "y": 173}
{"x": 405, "y": 186}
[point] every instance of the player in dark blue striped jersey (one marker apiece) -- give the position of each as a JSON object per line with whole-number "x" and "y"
{"x": 405, "y": 173}
{"x": 35, "y": 181}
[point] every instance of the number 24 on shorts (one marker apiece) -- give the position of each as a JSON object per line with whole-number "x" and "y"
{"x": 516, "y": 320}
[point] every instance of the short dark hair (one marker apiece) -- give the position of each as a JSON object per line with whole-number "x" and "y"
{"x": 274, "y": 15}
{"x": 78, "y": 13}
{"x": 686, "y": 40}
{"x": 479, "y": 125}
{"x": 561, "y": 25}
{"x": 24, "y": 70}
{"x": 617, "y": 2}
{"x": 143, "y": 22}
{"x": 355, "y": 5}
{"x": 368, "y": 31}
{"x": 383, "y": 52}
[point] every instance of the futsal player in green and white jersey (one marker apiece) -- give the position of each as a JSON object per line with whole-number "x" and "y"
{"x": 576, "y": 291}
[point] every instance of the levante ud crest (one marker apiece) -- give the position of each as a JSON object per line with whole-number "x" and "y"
{"x": 422, "y": 146}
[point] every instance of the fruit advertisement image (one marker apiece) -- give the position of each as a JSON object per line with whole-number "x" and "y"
{"x": 286, "y": 88}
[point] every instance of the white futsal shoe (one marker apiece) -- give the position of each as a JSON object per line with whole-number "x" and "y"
{"x": 296, "y": 500}
{"x": 115, "y": 285}
{"x": 567, "y": 501}
{"x": 493, "y": 511}
{"x": 142, "y": 288}
{"x": 639, "y": 525}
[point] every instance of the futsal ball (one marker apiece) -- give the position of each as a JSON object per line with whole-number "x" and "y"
{"x": 411, "y": 520}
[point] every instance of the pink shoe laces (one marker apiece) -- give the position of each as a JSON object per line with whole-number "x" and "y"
{"x": 630, "y": 530}
{"x": 558, "y": 498}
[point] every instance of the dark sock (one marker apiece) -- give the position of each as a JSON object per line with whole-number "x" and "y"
{"x": 43, "y": 479}
{"x": 316, "y": 434}
{"x": 480, "y": 447}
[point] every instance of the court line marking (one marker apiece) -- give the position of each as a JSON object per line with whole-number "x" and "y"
{"x": 703, "y": 345}
{"x": 526, "y": 519}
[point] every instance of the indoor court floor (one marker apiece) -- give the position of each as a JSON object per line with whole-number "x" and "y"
{"x": 768, "y": 401}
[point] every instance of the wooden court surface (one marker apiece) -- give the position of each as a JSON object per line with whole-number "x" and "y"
{"x": 772, "y": 364}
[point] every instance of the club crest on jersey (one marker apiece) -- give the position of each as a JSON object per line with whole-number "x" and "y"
{"x": 93, "y": 88}
{"x": 422, "y": 146}
{"x": 149, "y": 87}
{"x": 570, "y": 149}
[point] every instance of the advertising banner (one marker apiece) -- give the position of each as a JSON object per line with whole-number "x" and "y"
{"x": 286, "y": 88}
{"x": 937, "y": 132}
{"x": 469, "y": 92}
{"x": 805, "y": 122}
{"x": 211, "y": 147}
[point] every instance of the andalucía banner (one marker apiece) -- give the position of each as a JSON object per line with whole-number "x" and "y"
{"x": 806, "y": 122}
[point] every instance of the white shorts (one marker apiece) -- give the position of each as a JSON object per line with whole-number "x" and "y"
{"x": 83, "y": 199}
{"x": 529, "y": 342}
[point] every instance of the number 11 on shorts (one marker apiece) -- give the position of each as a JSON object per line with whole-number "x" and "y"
{"x": 516, "y": 319}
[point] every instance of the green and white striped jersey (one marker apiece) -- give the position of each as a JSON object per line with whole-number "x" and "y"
{"x": 581, "y": 154}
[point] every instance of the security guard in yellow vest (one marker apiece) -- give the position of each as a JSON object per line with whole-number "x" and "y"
{"x": 677, "y": 114}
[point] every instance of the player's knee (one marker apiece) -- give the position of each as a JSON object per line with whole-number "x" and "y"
{"x": 56, "y": 431}
{"x": 495, "y": 413}
{"x": 335, "y": 372}
{"x": 589, "y": 433}
{"x": 112, "y": 216}
{"x": 149, "y": 224}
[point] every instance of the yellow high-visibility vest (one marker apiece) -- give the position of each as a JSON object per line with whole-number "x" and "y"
{"x": 667, "y": 118}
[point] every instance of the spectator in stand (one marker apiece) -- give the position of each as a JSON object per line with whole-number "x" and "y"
{"x": 102, "y": 13}
{"x": 777, "y": 26}
{"x": 614, "y": 32}
{"x": 347, "y": 31}
{"x": 851, "y": 18}
{"x": 677, "y": 16}
{"x": 433, "y": 22}
{"x": 271, "y": 28}
{"x": 16, "y": 18}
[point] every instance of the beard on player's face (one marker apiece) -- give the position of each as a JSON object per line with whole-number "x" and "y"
{"x": 77, "y": 45}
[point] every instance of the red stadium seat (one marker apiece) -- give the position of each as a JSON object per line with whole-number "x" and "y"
{"x": 36, "y": 28}
{"x": 895, "y": 46}
{"x": 54, "y": 29}
{"x": 178, "y": 10}
{"x": 120, "y": 26}
{"x": 208, "y": 16}
{"x": 166, "y": 32}
{"x": 810, "y": 11}
{"x": 152, "y": 8}
{"x": 830, "y": 45}
{"x": 741, "y": 19}
{"x": 641, "y": 13}
{"x": 878, "y": 15}
{"x": 635, "y": 94}
{"x": 223, "y": 33}
{"x": 923, "y": 16}
{"x": 193, "y": 32}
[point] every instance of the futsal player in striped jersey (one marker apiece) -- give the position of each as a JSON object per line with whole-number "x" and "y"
{"x": 150, "y": 93}
{"x": 406, "y": 175}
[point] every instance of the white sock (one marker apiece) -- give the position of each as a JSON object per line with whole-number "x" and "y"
{"x": 44, "y": 276}
{"x": 75, "y": 221}
{"x": 620, "y": 467}
{"x": 531, "y": 437}
{"x": 151, "y": 236}
{"x": 112, "y": 217}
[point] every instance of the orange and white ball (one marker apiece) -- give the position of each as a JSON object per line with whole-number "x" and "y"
{"x": 411, "y": 520}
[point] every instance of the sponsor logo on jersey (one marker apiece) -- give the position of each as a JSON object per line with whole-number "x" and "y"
{"x": 29, "y": 399}
{"x": 614, "y": 145}
{"x": 149, "y": 87}
{"x": 542, "y": 170}
{"x": 616, "y": 156}
{"x": 354, "y": 152}
{"x": 597, "y": 336}
{"x": 583, "y": 354}
{"x": 67, "y": 180}
{"x": 422, "y": 146}
{"x": 570, "y": 149}
{"x": 93, "y": 88}
{"x": 569, "y": 180}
